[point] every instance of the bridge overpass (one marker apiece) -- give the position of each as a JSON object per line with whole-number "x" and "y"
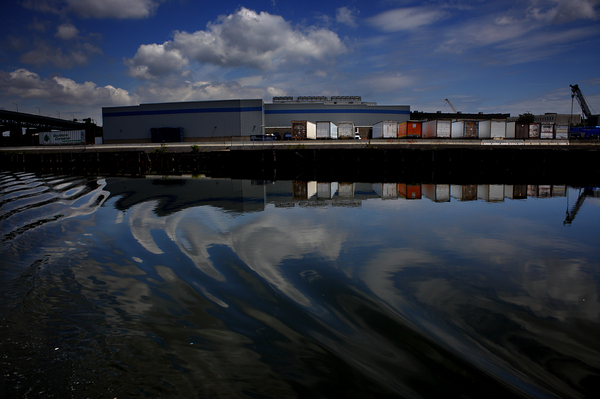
{"x": 16, "y": 122}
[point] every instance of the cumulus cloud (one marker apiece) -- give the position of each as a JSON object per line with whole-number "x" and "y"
{"x": 66, "y": 32}
{"x": 406, "y": 19}
{"x": 175, "y": 90}
{"x": 346, "y": 16}
{"x": 29, "y": 85}
{"x": 243, "y": 39}
{"x": 154, "y": 60}
{"x": 118, "y": 9}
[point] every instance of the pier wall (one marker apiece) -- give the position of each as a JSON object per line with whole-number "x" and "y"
{"x": 449, "y": 164}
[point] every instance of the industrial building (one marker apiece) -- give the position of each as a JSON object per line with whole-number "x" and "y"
{"x": 205, "y": 120}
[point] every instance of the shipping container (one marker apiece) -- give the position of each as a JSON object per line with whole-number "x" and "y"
{"x": 402, "y": 129}
{"x": 511, "y": 130}
{"x": 534, "y": 130}
{"x": 562, "y": 132}
{"x": 327, "y": 130}
{"x": 346, "y": 190}
{"x": 547, "y": 131}
{"x": 302, "y": 130}
{"x": 385, "y": 130}
{"x": 483, "y": 192}
{"x": 326, "y": 190}
{"x": 346, "y": 130}
{"x": 409, "y": 191}
{"x": 490, "y": 192}
{"x": 485, "y": 129}
{"x": 465, "y": 129}
{"x": 303, "y": 190}
{"x": 386, "y": 190}
{"x": 520, "y": 191}
{"x": 464, "y": 192}
{"x": 499, "y": 129}
{"x": 544, "y": 191}
{"x": 436, "y": 192}
{"x": 166, "y": 134}
{"x": 496, "y": 192}
{"x": 559, "y": 191}
{"x": 532, "y": 191}
{"x": 436, "y": 129}
{"x": 67, "y": 137}
{"x": 443, "y": 129}
{"x": 413, "y": 129}
{"x": 521, "y": 130}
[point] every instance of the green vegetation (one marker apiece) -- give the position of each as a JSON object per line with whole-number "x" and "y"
{"x": 162, "y": 149}
{"x": 195, "y": 148}
{"x": 527, "y": 117}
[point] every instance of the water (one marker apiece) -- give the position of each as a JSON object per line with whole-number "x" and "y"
{"x": 207, "y": 288}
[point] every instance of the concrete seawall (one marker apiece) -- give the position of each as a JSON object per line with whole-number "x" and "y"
{"x": 500, "y": 161}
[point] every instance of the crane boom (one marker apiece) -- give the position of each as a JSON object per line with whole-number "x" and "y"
{"x": 451, "y": 106}
{"x": 576, "y": 92}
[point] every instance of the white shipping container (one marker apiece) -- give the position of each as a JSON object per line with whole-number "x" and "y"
{"x": 496, "y": 193}
{"x": 511, "y": 128}
{"x": 562, "y": 132}
{"x": 498, "y": 129}
{"x": 458, "y": 130}
{"x": 436, "y": 192}
{"x": 547, "y": 131}
{"x": 443, "y": 129}
{"x": 483, "y": 192}
{"x": 346, "y": 130}
{"x": 326, "y": 190}
{"x": 67, "y": 137}
{"x": 326, "y": 130}
{"x": 346, "y": 190}
{"x": 385, "y": 130}
{"x": 436, "y": 129}
{"x": 509, "y": 191}
{"x": 304, "y": 130}
{"x": 485, "y": 129}
{"x": 386, "y": 190}
{"x": 311, "y": 189}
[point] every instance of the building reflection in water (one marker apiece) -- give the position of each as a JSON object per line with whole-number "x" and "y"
{"x": 239, "y": 196}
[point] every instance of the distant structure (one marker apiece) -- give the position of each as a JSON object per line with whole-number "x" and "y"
{"x": 554, "y": 118}
{"x": 454, "y": 116}
{"x": 205, "y": 120}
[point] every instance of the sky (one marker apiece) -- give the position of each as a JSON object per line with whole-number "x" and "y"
{"x": 70, "y": 58}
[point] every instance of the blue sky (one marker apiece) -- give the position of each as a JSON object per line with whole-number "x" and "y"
{"x": 73, "y": 57}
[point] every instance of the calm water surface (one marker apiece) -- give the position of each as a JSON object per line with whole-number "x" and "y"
{"x": 207, "y": 288}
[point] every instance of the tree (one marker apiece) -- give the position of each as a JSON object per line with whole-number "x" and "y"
{"x": 527, "y": 117}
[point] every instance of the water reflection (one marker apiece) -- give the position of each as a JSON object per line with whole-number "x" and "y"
{"x": 231, "y": 288}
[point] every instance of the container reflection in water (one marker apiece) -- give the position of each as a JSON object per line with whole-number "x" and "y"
{"x": 227, "y": 288}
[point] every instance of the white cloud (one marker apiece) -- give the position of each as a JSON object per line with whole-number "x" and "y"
{"x": 406, "y": 19}
{"x": 483, "y": 33}
{"x": 174, "y": 90}
{"x": 118, "y": 9}
{"x": 28, "y": 85}
{"x": 153, "y": 60}
{"x": 66, "y": 32}
{"x": 563, "y": 11}
{"x": 346, "y": 16}
{"x": 243, "y": 39}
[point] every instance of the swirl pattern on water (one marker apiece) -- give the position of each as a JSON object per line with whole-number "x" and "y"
{"x": 130, "y": 287}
